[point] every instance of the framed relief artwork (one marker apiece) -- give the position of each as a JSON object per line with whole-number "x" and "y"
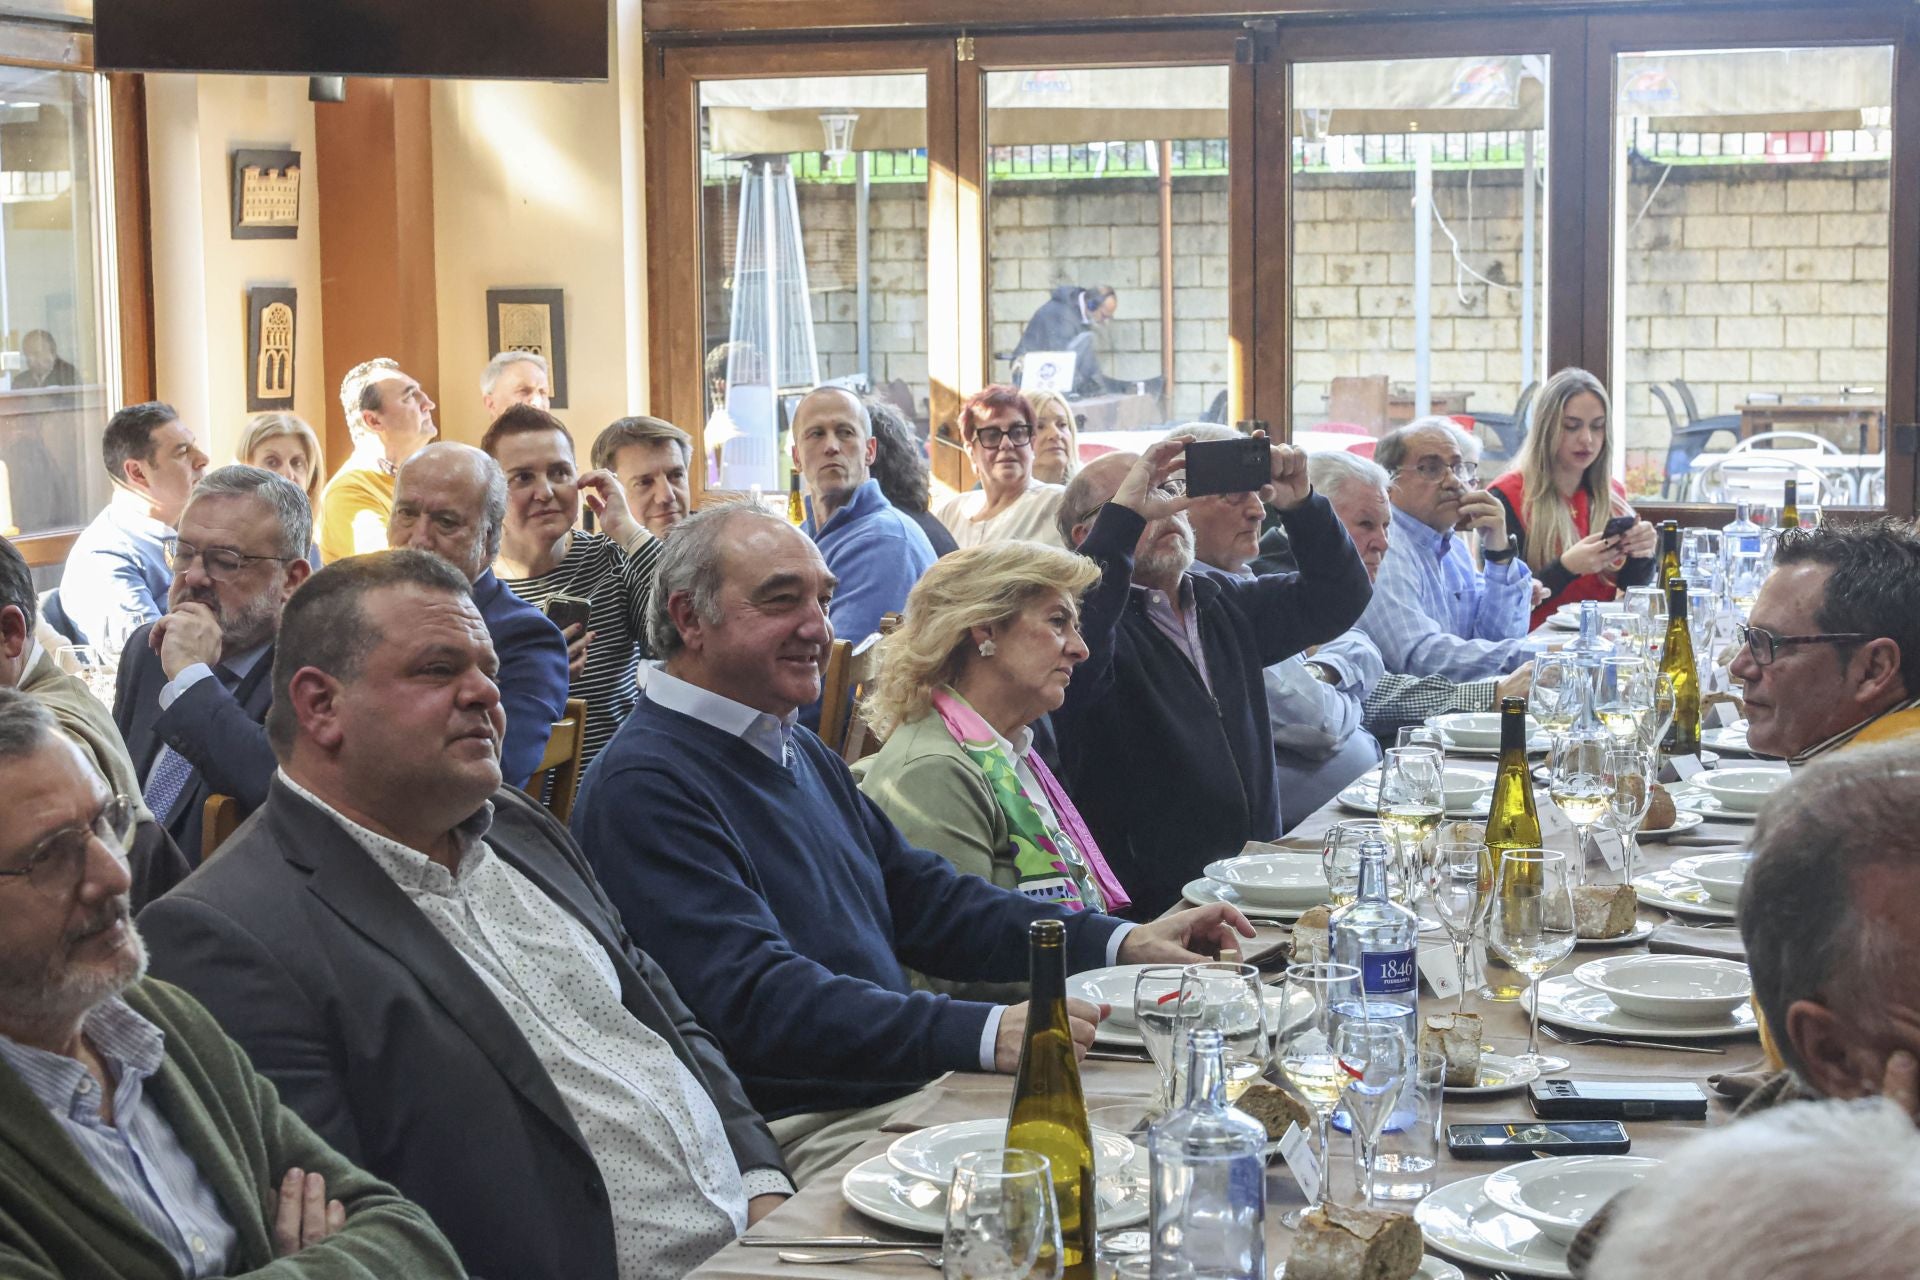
{"x": 532, "y": 320}
{"x": 266, "y": 195}
{"x": 270, "y": 322}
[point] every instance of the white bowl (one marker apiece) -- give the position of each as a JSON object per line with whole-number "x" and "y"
{"x": 1474, "y": 729}
{"x": 1722, "y": 875}
{"x": 1288, "y": 881}
{"x": 1464, "y": 787}
{"x": 1670, "y": 988}
{"x": 1559, "y": 1194}
{"x": 1741, "y": 790}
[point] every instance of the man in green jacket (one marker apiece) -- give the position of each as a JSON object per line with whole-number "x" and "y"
{"x": 136, "y": 1140}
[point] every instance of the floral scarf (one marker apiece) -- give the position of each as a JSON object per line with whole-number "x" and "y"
{"x": 1057, "y": 860}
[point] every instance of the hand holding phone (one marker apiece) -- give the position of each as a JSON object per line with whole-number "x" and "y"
{"x": 1228, "y": 466}
{"x": 1618, "y": 527}
{"x": 565, "y": 610}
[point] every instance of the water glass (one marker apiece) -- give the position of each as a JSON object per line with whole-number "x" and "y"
{"x": 1453, "y": 888}
{"x": 1554, "y": 698}
{"x": 1340, "y": 856}
{"x": 1419, "y": 735}
{"x": 1413, "y": 798}
{"x": 1575, "y": 768}
{"x": 1230, "y": 999}
{"x": 1375, "y": 1061}
{"x": 1002, "y": 1221}
{"x": 1530, "y": 926}
{"x": 1630, "y": 773}
{"x": 1410, "y": 1146}
{"x": 1648, "y": 607}
{"x": 95, "y": 668}
{"x": 1304, "y": 1056}
{"x": 1156, "y": 1013}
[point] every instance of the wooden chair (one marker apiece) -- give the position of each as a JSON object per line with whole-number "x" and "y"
{"x": 558, "y": 777}
{"x": 860, "y": 739}
{"x": 219, "y": 818}
{"x": 836, "y": 694}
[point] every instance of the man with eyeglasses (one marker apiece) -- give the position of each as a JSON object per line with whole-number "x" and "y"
{"x": 193, "y": 688}
{"x": 141, "y": 1144}
{"x": 1831, "y": 652}
{"x": 1434, "y": 613}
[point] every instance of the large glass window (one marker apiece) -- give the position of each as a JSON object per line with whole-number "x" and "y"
{"x": 1418, "y": 238}
{"x": 52, "y": 393}
{"x": 814, "y": 227}
{"x": 1751, "y": 191}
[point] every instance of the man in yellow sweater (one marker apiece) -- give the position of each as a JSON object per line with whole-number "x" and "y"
{"x": 391, "y": 419}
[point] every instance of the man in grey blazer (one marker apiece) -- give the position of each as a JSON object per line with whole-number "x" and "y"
{"x": 422, "y": 962}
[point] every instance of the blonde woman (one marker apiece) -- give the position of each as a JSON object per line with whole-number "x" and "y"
{"x": 1562, "y": 477}
{"x": 284, "y": 444}
{"x": 991, "y": 637}
{"x": 1056, "y": 443}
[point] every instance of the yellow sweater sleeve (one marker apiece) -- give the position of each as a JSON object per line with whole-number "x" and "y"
{"x": 353, "y": 513}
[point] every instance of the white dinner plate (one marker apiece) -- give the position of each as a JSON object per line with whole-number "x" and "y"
{"x": 1459, "y": 1221}
{"x": 1671, "y": 988}
{"x": 1721, "y": 875}
{"x": 1431, "y": 1268}
{"x": 1288, "y": 880}
{"x": 1671, "y": 891}
{"x": 1684, "y": 820}
{"x": 1730, "y": 738}
{"x": 1203, "y": 891}
{"x": 1498, "y": 1074}
{"x": 1364, "y": 797}
{"x": 930, "y": 1153}
{"x": 1568, "y": 1002}
{"x": 882, "y": 1192}
{"x": 1693, "y": 800}
{"x": 1560, "y": 1194}
{"x": 1114, "y": 986}
{"x": 1641, "y": 931}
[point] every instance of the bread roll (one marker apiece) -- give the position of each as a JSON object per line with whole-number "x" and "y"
{"x": 1455, "y": 1037}
{"x": 1311, "y": 944}
{"x": 1604, "y": 910}
{"x": 1661, "y": 812}
{"x": 1274, "y": 1108}
{"x": 1342, "y": 1242}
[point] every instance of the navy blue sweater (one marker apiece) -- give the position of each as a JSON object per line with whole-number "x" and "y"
{"x": 783, "y": 904}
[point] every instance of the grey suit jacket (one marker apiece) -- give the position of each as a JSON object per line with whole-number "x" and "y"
{"x": 379, "y": 1034}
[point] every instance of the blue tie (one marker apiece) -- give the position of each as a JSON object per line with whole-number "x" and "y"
{"x": 172, "y": 772}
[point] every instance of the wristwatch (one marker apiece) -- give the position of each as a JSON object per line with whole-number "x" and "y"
{"x": 1501, "y": 557}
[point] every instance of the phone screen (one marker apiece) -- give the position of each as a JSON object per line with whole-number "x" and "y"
{"x": 1537, "y": 1133}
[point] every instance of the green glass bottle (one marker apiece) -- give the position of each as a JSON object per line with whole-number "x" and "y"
{"x": 1676, "y": 660}
{"x": 1790, "y": 507}
{"x": 1049, "y": 1112}
{"x": 1669, "y": 550}
{"x": 1512, "y": 823}
{"x": 796, "y": 509}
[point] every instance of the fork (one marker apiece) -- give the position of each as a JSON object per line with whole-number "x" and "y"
{"x": 1554, "y": 1034}
{"x": 835, "y": 1259}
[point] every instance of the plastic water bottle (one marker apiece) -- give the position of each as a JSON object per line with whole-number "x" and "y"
{"x": 1208, "y": 1171}
{"x": 1381, "y": 938}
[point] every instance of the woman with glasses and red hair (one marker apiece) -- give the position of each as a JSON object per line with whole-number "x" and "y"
{"x": 997, "y": 426}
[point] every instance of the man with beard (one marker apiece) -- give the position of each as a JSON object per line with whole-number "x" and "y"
{"x": 193, "y": 688}
{"x": 141, "y": 1144}
{"x": 1164, "y": 735}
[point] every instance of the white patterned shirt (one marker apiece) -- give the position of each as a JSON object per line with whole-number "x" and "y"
{"x": 676, "y": 1193}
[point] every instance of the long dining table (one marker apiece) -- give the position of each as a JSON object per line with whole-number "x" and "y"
{"x": 819, "y": 1209}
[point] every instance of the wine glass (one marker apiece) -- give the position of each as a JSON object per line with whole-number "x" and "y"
{"x": 1156, "y": 1012}
{"x": 1620, "y": 688}
{"x": 1703, "y": 624}
{"x": 1647, "y": 607}
{"x": 1374, "y": 1059}
{"x": 1340, "y": 856}
{"x": 1530, "y": 926}
{"x": 1230, "y": 999}
{"x": 1554, "y": 697}
{"x": 1413, "y": 797}
{"x": 1420, "y": 735}
{"x": 1453, "y": 887}
{"x": 1630, "y": 773}
{"x": 1305, "y": 1054}
{"x": 1659, "y": 715}
{"x": 1002, "y": 1219}
{"x": 1745, "y": 572}
{"x": 1575, "y": 767}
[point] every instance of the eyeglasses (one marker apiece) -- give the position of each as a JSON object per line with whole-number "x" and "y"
{"x": 991, "y": 437}
{"x": 54, "y": 867}
{"x": 1765, "y": 646}
{"x": 1434, "y": 469}
{"x": 220, "y": 563}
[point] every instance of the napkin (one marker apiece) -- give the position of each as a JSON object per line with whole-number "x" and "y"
{"x": 1686, "y": 940}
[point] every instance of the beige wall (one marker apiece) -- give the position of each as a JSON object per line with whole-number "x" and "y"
{"x": 201, "y": 274}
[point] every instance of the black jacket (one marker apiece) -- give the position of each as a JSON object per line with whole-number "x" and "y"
{"x": 1169, "y": 776}
{"x": 379, "y": 1033}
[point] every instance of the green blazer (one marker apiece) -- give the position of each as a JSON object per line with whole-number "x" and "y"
{"x": 58, "y": 1220}
{"x": 941, "y": 802}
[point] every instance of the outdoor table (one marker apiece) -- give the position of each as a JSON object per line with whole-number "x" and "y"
{"x": 1806, "y": 415}
{"x": 1855, "y": 469}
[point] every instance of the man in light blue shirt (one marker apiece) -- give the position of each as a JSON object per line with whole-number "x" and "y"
{"x": 1433, "y": 612}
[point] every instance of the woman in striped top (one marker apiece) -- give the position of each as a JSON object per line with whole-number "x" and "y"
{"x": 542, "y": 556}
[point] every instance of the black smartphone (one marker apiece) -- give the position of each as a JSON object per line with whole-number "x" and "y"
{"x": 1618, "y": 1100}
{"x": 566, "y": 610}
{"x": 1228, "y": 466}
{"x": 1548, "y": 1137}
{"x": 1618, "y": 527}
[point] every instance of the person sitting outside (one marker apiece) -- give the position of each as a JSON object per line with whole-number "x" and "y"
{"x": 1067, "y": 321}
{"x": 996, "y": 425}
{"x": 451, "y": 499}
{"x": 900, "y": 465}
{"x": 192, "y": 691}
{"x": 141, "y": 1143}
{"x": 651, "y": 458}
{"x": 284, "y": 444}
{"x": 1357, "y": 488}
{"x": 116, "y": 576}
{"x": 1560, "y": 479}
{"x": 990, "y": 638}
{"x": 420, "y": 960}
{"x": 782, "y": 902}
{"x": 514, "y": 377}
{"x": 1832, "y": 643}
{"x": 46, "y": 367}
{"x": 874, "y": 551}
{"x": 1164, "y": 737}
{"x": 1433, "y": 613}
{"x": 542, "y": 556}
{"x": 390, "y": 419}
{"x": 1314, "y": 698}
{"x": 1056, "y": 441}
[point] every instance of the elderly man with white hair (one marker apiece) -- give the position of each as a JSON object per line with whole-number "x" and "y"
{"x": 1434, "y": 613}
{"x": 515, "y": 377}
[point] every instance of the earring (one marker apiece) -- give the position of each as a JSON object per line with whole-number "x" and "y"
{"x": 987, "y": 649}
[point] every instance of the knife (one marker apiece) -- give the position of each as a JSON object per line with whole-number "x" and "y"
{"x": 828, "y": 1242}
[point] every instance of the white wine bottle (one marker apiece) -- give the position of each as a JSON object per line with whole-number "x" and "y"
{"x": 1512, "y": 823}
{"x": 1669, "y": 566}
{"x": 1676, "y": 660}
{"x": 1049, "y": 1111}
{"x": 1790, "y": 506}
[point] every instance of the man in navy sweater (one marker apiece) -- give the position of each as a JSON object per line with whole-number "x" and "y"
{"x": 782, "y": 903}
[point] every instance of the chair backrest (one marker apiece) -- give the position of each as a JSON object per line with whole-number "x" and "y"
{"x": 836, "y": 694}
{"x": 219, "y": 818}
{"x": 859, "y": 739}
{"x": 1686, "y": 398}
{"x": 55, "y": 615}
{"x": 1768, "y": 438}
{"x": 1757, "y": 478}
{"x": 1666, "y": 402}
{"x": 558, "y": 777}
{"x": 1360, "y": 399}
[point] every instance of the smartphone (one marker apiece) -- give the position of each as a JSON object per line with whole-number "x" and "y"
{"x": 1228, "y": 466}
{"x": 1618, "y": 1100}
{"x": 566, "y": 610}
{"x": 1548, "y": 1137}
{"x": 1618, "y": 527}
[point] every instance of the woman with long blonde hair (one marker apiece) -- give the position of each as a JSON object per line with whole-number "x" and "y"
{"x": 1561, "y": 478}
{"x": 284, "y": 444}
{"x": 1056, "y": 441}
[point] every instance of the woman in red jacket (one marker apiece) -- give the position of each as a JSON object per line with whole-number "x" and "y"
{"x": 1560, "y": 479}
